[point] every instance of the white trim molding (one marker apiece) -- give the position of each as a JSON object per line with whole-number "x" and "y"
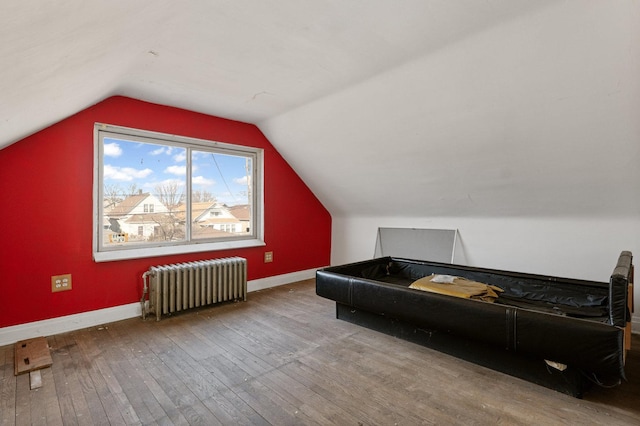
{"x": 48, "y": 327}
{"x": 264, "y": 283}
{"x": 10, "y": 335}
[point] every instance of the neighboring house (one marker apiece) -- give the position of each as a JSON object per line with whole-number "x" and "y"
{"x": 139, "y": 216}
{"x": 242, "y": 212}
{"x": 211, "y": 215}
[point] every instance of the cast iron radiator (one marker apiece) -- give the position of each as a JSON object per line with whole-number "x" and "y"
{"x": 177, "y": 287}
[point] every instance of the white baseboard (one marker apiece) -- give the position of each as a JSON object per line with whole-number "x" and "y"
{"x": 15, "y": 333}
{"x": 635, "y": 324}
{"x": 264, "y": 283}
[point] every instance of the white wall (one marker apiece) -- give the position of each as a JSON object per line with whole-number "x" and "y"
{"x": 585, "y": 248}
{"x": 538, "y": 115}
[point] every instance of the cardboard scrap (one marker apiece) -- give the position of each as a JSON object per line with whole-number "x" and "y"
{"x": 35, "y": 379}
{"x": 32, "y": 354}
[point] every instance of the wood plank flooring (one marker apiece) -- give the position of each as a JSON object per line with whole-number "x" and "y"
{"x": 282, "y": 358}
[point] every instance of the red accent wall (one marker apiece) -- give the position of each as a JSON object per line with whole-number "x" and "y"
{"x": 46, "y": 196}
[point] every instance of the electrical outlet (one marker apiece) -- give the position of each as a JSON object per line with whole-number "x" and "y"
{"x": 268, "y": 256}
{"x": 60, "y": 283}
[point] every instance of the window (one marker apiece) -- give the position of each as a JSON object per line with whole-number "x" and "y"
{"x": 159, "y": 194}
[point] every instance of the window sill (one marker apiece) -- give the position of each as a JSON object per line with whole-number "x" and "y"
{"x": 139, "y": 253}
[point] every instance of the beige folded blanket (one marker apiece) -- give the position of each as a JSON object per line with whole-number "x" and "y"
{"x": 458, "y": 287}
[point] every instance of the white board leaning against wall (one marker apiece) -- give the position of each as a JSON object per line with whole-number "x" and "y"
{"x": 436, "y": 245}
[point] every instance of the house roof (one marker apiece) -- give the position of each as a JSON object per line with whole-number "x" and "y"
{"x": 241, "y": 212}
{"x": 208, "y": 232}
{"x": 125, "y": 207}
{"x": 197, "y": 209}
{"x": 215, "y": 220}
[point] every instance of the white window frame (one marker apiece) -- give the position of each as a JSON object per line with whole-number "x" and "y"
{"x": 105, "y": 254}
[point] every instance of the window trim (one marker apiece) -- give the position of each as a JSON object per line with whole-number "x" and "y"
{"x": 165, "y": 249}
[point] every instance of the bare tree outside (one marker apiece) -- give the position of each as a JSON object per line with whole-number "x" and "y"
{"x": 202, "y": 196}
{"x": 132, "y": 189}
{"x": 113, "y": 194}
{"x": 170, "y": 195}
{"x": 169, "y": 228}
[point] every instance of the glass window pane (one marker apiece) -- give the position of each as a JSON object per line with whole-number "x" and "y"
{"x": 221, "y": 195}
{"x": 144, "y": 187}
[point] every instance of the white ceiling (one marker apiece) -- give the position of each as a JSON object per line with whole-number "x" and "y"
{"x": 415, "y": 108}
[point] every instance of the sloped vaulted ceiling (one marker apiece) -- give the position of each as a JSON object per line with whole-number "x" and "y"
{"x": 419, "y": 108}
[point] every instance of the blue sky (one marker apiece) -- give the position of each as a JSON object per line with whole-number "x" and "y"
{"x": 148, "y": 165}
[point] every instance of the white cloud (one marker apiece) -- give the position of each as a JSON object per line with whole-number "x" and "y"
{"x": 201, "y": 180}
{"x": 112, "y": 150}
{"x": 180, "y": 157}
{"x": 176, "y": 170}
{"x": 125, "y": 174}
{"x": 151, "y": 186}
{"x": 162, "y": 150}
{"x": 167, "y": 182}
{"x": 197, "y": 155}
{"x": 241, "y": 181}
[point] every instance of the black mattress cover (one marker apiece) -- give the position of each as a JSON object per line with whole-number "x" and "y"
{"x": 558, "y": 319}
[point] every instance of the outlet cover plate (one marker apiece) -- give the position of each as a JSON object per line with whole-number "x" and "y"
{"x": 60, "y": 283}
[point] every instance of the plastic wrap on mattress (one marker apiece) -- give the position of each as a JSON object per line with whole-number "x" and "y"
{"x": 584, "y": 299}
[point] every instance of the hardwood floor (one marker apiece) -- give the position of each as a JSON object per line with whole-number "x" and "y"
{"x": 282, "y": 358}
